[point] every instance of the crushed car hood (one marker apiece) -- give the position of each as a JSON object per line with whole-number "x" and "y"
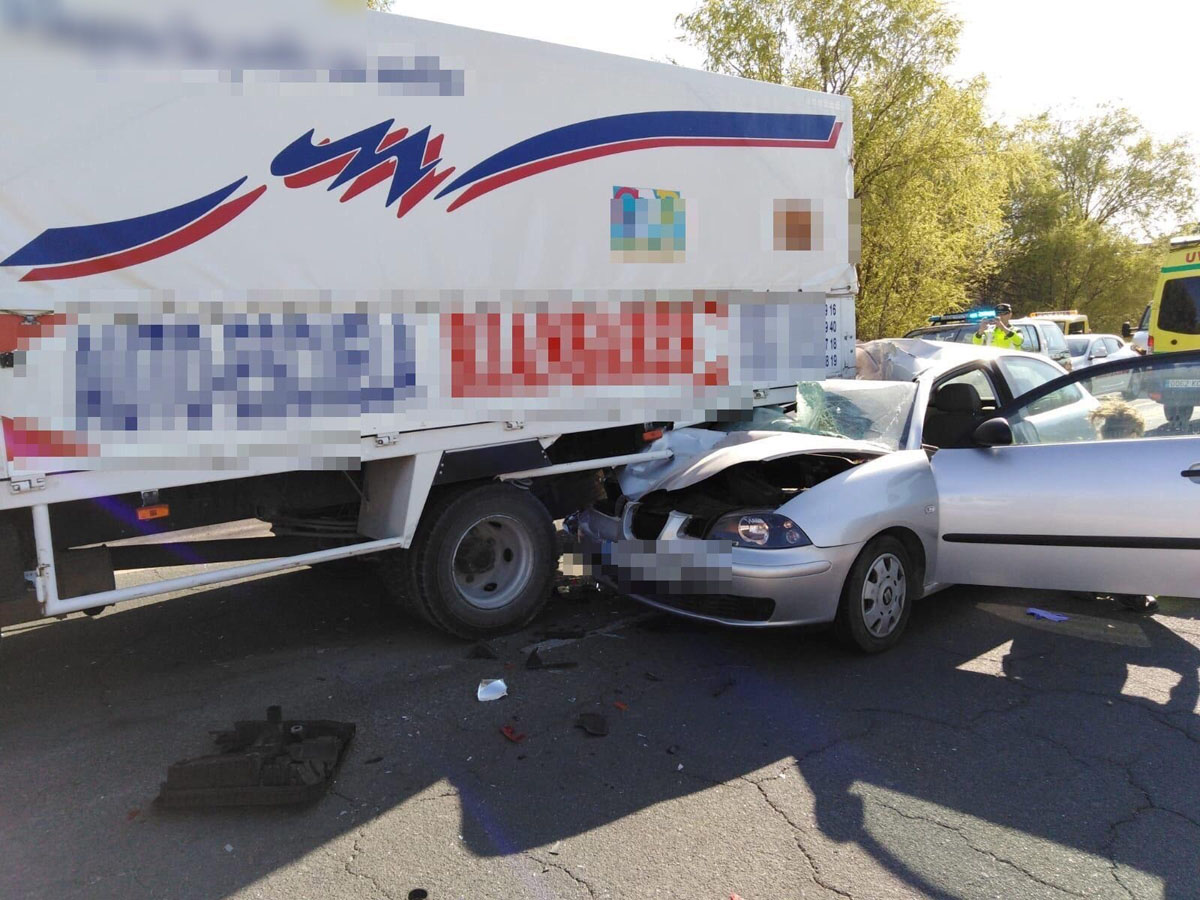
{"x": 701, "y": 453}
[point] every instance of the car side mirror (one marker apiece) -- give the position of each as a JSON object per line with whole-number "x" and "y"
{"x": 1099, "y": 353}
{"x": 993, "y": 433}
{"x": 1126, "y": 331}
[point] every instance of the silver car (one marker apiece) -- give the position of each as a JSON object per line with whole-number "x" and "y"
{"x": 1092, "y": 349}
{"x": 941, "y": 464}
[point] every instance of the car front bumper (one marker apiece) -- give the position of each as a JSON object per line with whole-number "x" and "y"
{"x": 716, "y": 582}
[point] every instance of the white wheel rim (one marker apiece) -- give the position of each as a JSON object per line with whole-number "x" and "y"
{"x": 884, "y": 593}
{"x": 492, "y": 562}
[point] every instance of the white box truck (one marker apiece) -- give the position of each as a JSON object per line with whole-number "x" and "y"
{"x": 385, "y": 284}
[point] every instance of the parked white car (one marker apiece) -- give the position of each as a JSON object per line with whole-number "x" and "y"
{"x": 1089, "y": 349}
{"x": 944, "y": 464}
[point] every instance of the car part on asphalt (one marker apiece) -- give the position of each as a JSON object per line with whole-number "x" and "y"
{"x": 261, "y": 763}
{"x": 512, "y": 734}
{"x": 593, "y": 723}
{"x": 535, "y": 661}
{"x": 491, "y": 689}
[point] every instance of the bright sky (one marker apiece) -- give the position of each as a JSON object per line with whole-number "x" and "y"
{"x": 1066, "y": 54}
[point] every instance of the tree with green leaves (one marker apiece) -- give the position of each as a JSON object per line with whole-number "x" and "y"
{"x": 1087, "y": 215}
{"x": 926, "y": 167}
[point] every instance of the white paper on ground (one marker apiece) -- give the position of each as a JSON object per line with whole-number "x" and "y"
{"x": 492, "y": 689}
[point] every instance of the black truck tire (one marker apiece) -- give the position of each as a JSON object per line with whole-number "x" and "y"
{"x": 482, "y": 561}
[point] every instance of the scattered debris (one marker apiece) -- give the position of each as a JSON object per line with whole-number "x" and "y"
{"x": 724, "y": 686}
{"x": 418, "y": 894}
{"x": 229, "y": 848}
{"x": 593, "y": 723}
{"x": 679, "y": 768}
{"x": 1043, "y": 614}
{"x": 491, "y": 689}
{"x": 372, "y": 760}
{"x": 483, "y": 650}
{"x": 511, "y": 733}
{"x": 553, "y": 851}
{"x": 650, "y": 676}
{"x": 621, "y": 706}
{"x": 132, "y": 814}
{"x": 673, "y": 749}
{"x": 535, "y": 661}
{"x": 563, "y": 634}
{"x": 261, "y": 763}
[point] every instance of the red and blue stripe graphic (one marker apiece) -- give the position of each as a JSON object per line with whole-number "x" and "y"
{"x": 641, "y": 131}
{"x": 410, "y": 162}
{"x": 365, "y": 159}
{"x": 59, "y": 253}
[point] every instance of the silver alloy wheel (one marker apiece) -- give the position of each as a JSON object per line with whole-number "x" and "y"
{"x": 884, "y": 593}
{"x": 493, "y": 562}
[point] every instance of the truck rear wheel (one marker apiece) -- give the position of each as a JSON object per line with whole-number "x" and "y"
{"x": 482, "y": 561}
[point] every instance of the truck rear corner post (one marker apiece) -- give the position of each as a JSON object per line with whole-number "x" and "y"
{"x": 411, "y": 304}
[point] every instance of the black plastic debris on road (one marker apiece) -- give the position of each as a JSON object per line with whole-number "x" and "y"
{"x": 274, "y": 762}
{"x": 593, "y": 723}
{"x": 535, "y": 661}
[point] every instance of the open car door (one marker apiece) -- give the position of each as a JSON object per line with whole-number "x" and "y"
{"x": 1097, "y": 491}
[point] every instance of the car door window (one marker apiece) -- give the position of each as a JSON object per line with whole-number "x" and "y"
{"x": 1154, "y": 398}
{"x": 1112, "y": 345}
{"x": 1029, "y": 339}
{"x": 979, "y": 380}
{"x": 1056, "y": 344}
{"x": 1025, "y": 374}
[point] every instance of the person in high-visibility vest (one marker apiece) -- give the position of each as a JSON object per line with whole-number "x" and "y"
{"x": 999, "y": 334}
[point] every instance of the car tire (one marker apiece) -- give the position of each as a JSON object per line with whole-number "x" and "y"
{"x": 482, "y": 562}
{"x": 877, "y": 598}
{"x": 1178, "y": 417}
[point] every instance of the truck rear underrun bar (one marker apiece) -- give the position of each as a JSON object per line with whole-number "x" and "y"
{"x": 45, "y": 579}
{"x": 46, "y": 582}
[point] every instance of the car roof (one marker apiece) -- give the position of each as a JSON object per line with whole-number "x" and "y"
{"x": 905, "y": 359}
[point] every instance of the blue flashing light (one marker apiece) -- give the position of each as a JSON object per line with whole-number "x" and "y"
{"x": 974, "y": 315}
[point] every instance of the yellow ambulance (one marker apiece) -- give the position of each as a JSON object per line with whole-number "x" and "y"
{"x": 1175, "y": 326}
{"x": 1175, "y": 308}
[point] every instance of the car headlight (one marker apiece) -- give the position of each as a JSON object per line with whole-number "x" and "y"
{"x": 760, "y": 530}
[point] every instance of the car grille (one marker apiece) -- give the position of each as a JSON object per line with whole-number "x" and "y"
{"x": 647, "y": 525}
{"x": 719, "y": 606}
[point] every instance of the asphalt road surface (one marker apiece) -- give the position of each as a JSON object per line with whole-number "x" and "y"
{"x": 989, "y": 755}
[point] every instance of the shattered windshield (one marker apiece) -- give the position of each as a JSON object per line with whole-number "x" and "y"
{"x": 875, "y": 411}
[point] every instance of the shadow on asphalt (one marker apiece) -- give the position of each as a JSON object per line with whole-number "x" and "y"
{"x": 981, "y": 717}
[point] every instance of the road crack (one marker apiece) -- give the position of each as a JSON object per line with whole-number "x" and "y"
{"x": 566, "y": 871}
{"x": 356, "y": 851}
{"x": 797, "y": 832}
{"x": 966, "y": 839}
